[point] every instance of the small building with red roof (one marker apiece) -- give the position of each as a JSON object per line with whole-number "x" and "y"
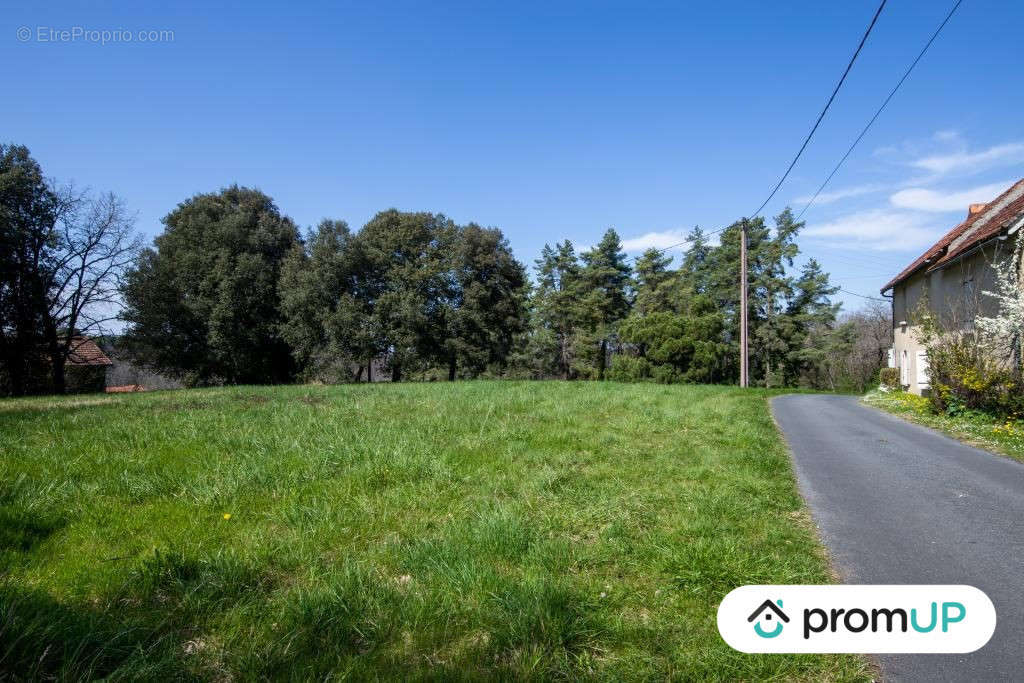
{"x": 86, "y": 367}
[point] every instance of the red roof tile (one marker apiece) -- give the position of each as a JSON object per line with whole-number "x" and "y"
{"x": 84, "y": 351}
{"x": 976, "y": 228}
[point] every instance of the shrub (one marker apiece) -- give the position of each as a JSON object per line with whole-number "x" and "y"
{"x": 629, "y": 369}
{"x": 964, "y": 378}
{"x": 970, "y": 369}
{"x": 889, "y": 378}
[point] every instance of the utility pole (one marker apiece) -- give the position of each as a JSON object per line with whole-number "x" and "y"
{"x": 744, "y": 370}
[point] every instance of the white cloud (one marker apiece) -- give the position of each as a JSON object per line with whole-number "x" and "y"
{"x": 887, "y": 150}
{"x": 879, "y": 230}
{"x": 932, "y": 200}
{"x": 842, "y": 193}
{"x": 963, "y": 161}
{"x": 663, "y": 240}
{"x": 947, "y": 135}
{"x": 657, "y": 240}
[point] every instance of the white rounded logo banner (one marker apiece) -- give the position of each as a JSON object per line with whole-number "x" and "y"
{"x": 856, "y": 618}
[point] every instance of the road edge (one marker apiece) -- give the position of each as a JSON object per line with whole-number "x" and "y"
{"x": 807, "y": 519}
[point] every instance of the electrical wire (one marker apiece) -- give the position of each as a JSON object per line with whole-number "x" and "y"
{"x": 821, "y": 116}
{"x": 864, "y": 296}
{"x": 856, "y": 141}
{"x": 885, "y": 103}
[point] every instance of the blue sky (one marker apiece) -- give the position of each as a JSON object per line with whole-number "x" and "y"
{"x": 548, "y": 120}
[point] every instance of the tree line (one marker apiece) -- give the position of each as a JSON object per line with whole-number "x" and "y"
{"x": 596, "y": 315}
{"x": 232, "y": 292}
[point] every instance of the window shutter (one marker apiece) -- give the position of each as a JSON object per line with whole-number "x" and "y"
{"x": 922, "y": 369}
{"x": 891, "y": 355}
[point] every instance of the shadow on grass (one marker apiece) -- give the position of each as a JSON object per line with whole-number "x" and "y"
{"x": 42, "y": 639}
{"x": 140, "y": 631}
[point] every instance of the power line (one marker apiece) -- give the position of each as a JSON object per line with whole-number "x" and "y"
{"x": 881, "y": 108}
{"x": 821, "y": 116}
{"x": 863, "y": 296}
{"x": 662, "y": 250}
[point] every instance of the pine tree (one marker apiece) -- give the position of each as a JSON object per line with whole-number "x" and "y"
{"x": 652, "y": 275}
{"x": 556, "y": 300}
{"x": 809, "y": 310}
{"x": 693, "y": 272}
{"x": 606, "y": 294}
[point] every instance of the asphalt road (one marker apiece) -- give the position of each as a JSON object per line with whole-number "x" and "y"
{"x": 898, "y": 503}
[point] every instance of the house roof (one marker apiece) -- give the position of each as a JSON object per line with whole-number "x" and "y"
{"x": 84, "y": 351}
{"x": 978, "y": 227}
{"x": 768, "y": 604}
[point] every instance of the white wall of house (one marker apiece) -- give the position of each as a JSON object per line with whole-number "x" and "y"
{"x": 953, "y": 294}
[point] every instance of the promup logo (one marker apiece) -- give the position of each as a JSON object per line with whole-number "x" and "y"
{"x": 871, "y": 619}
{"x": 765, "y": 613}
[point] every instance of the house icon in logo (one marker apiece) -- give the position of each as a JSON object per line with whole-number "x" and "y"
{"x": 767, "y": 613}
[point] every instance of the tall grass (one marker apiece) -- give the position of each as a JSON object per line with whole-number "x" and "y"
{"x": 463, "y": 531}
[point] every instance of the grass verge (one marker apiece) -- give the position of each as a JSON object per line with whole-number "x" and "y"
{"x": 1005, "y": 437}
{"x": 457, "y": 531}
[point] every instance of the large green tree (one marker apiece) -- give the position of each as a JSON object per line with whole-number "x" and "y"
{"x": 783, "y": 309}
{"x": 403, "y": 285}
{"x": 653, "y": 280}
{"x": 555, "y": 306}
{"x": 413, "y": 289}
{"x": 325, "y": 323}
{"x": 605, "y": 295}
{"x": 809, "y": 313}
{"x": 29, "y": 210}
{"x": 484, "y": 309}
{"x": 203, "y": 303}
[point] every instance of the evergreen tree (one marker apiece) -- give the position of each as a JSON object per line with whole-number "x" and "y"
{"x": 693, "y": 272}
{"x": 556, "y": 304}
{"x": 412, "y": 288}
{"x": 674, "y": 347}
{"x": 403, "y": 285}
{"x": 606, "y": 298}
{"x": 771, "y": 288}
{"x": 317, "y": 293}
{"x": 485, "y": 310}
{"x": 203, "y": 304}
{"x": 652, "y": 277}
{"x": 810, "y": 311}
{"x": 29, "y": 210}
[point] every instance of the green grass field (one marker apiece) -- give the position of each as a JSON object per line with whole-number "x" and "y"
{"x": 427, "y": 531}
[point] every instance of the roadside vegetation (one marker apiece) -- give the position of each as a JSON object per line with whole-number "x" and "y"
{"x": 976, "y": 390}
{"x": 426, "y": 531}
{"x": 1003, "y": 434}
